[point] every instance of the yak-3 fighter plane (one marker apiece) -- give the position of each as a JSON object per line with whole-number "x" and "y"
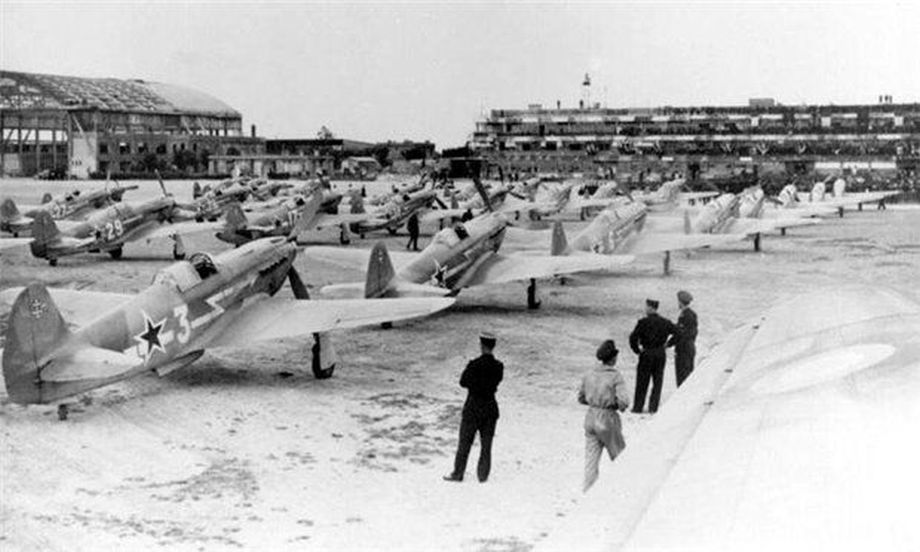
{"x": 109, "y": 229}
{"x": 205, "y": 302}
{"x": 840, "y": 199}
{"x": 464, "y": 255}
{"x": 74, "y": 205}
{"x": 795, "y": 433}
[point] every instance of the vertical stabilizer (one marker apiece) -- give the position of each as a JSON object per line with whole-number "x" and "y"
{"x": 559, "y": 244}
{"x": 44, "y": 231}
{"x": 46, "y": 198}
{"x": 234, "y": 217}
{"x": 8, "y": 210}
{"x": 35, "y": 329}
{"x": 380, "y": 272}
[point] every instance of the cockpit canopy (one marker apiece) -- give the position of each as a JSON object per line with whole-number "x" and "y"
{"x": 187, "y": 274}
{"x": 450, "y": 237}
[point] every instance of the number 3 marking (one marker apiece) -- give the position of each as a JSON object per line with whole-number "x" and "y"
{"x": 184, "y": 329}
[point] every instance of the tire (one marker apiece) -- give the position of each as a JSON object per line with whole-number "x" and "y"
{"x": 116, "y": 253}
{"x": 319, "y": 373}
{"x": 52, "y": 262}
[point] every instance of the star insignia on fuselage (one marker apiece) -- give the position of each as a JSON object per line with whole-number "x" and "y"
{"x": 150, "y": 336}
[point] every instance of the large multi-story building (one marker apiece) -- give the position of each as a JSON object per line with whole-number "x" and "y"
{"x": 763, "y": 134}
{"x": 82, "y": 127}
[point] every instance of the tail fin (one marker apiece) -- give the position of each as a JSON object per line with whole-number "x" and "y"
{"x": 560, "y": 244}
{"x": 196, "y": 190}
{"x": 308, "y": 214}
{"x": 44, "y": 231}
{"x": 35, "y": 329}
{"x": 8, "y": 210}
{"x": 235, "y": 218}
{"x": 46, "y": 198}
{"x": 380, "y": 272}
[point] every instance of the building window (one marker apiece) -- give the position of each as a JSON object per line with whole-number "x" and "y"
{"x": 161, "y": 149}
{"x": 103, "y": 149}
{"x": 124, "y": 148}
{"x": 142, "y": 147}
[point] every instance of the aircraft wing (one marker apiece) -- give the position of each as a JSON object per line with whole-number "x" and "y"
{"x": 693, "y": 196}
{"x": 6, "y": 243}
{"x": 326, "y": 220}
{"x": 435, "y": 215}
{"x": 648, "y": 243}
{"x": 183, "y": 228}
{"x": 354, "y": 258}
{"x": 499, "y": 268}
{"x": 277, "y": 317}
{"x": 78, "y": 307}
{"x": 796, "y": 433}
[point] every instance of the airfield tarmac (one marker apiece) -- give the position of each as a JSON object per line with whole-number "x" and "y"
{"x": 246, "y": 450}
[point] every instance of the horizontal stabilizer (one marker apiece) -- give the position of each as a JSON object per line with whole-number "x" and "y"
{"x": 79, "y": 307}
{"x": 89, "y": 363}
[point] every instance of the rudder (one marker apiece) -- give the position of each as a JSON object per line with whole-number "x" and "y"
{"x": 380, "y": 272}
{"x": 35, "y": 329}
{"x": 559, "y": 244}
{"x": 235, "y": 218}
{"x": 44, "y": 231}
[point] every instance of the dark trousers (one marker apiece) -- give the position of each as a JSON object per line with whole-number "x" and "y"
{"x": 469, "y": 425}
{"x": 413, "y": 241}
{"x": 683, "y": 361}
{"x": 651, "y": 367}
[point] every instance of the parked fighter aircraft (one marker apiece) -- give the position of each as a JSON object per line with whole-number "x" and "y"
{"x": 840, "y": 198}
{"x": 71, "y": 206}
{"x": 461, "y": 256}
{"x": 621, "y": 230}
{"x": 669, "y": 195}
{"x": 723, "y": 216}
{"x": 756, "y": 450}
{"x": 109, "y": 229}
{"x": 291, "y": 216}
{"x": 203, "y": 303}
{"x": 393, "y": 214}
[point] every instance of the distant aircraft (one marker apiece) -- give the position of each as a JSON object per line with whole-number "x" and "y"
{"x": 756, "y": 451}
{"x": 203, "y": 303}
{"x": 109, "y": 229}
{"x": 391, "y": 215}
{"x": 669, "y": 195}
{"x": 461, "y": 256}
{"x": 73, "y": 205}
{"x": 290, "y": 216}
{"x": 621, "y": 230}
{"x": 840, "y": 199}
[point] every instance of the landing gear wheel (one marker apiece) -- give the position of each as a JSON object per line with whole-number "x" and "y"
{"x": 532, "y": 302}
{"x": 116, "y": 253}
{"x": 318, "y": 371}
{"x": 63, "y": 410}
{"x": 52, "y": 262}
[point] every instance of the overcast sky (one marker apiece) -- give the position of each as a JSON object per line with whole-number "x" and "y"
{"x": 378, "y": 71}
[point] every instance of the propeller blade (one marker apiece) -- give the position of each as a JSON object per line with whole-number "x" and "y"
{"x": 297, "y": 285}
{"x": 483, "y": 193}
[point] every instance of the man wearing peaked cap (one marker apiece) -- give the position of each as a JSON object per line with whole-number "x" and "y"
{"x": 480, "y": 411}
{"x": 685, "y": 340}
{"x": 648, "y": 340}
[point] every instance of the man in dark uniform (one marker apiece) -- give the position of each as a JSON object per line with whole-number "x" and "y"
{"x": 648, "y": 340}
{"x": 412, "y": 227}
{"x": 480, "y": 412}
{"x": 685, "y": 340}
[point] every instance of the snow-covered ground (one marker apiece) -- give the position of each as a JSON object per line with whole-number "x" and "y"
{"x": 246, "y": 450}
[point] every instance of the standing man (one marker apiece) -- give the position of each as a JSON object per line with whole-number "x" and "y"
{"x": 412, "y": 227}
{"x": 648, "y": 340}
{"x": 685, "y": 340}
{"x": 480, "y": 412}
{"x": 604, "y": 391}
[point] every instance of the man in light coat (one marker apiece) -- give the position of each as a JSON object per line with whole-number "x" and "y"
{"x": 604, "y": 391}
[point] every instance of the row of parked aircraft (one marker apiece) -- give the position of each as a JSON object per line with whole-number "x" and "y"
{"x": 210, "y": 301}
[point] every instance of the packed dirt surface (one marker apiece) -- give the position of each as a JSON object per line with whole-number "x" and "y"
{"x": 244, "y": 449}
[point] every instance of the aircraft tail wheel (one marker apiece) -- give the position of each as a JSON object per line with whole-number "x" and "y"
{"x": 116, "y": 253}
{"x": 62, "y": 411}
{"x": 52, "y": 262}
